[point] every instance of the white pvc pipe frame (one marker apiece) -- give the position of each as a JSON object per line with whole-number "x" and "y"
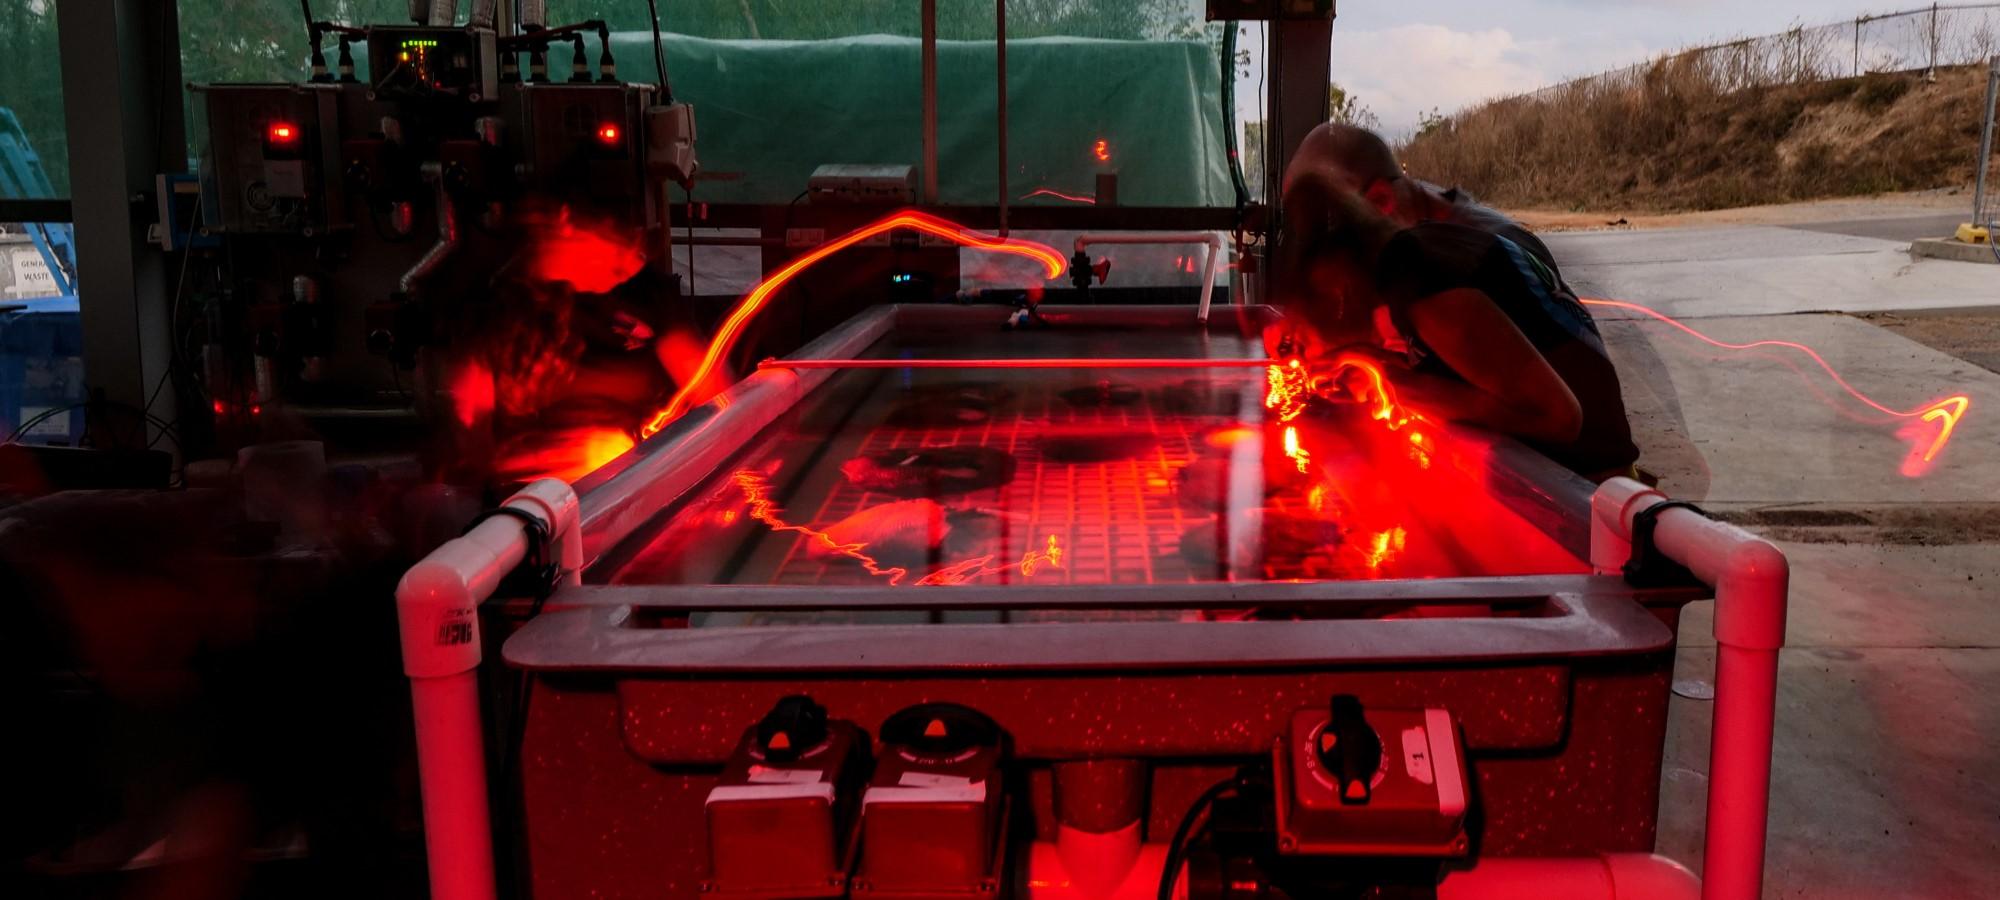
{"x": 1213, "y": 241}
{"x": 437, "y": 611}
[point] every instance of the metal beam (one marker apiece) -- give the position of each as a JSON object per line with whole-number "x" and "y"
{"x": 1000, "y": 54}
{"x": 121, "y": 76}
{"x": 1301, "y": 60}
{"x": 928, "y": 63}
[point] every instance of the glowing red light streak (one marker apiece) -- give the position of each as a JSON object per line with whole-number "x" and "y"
{"x": 571, "y": 456}
{"x": 1289, "y": 387}
{"x": 1384, "y": 545}
{"x": 1051, "y": 192}
{"x": 1946, "y": 412}
{"x": 1291, "y": 384}
{"x": 1079, "y": 362}
{"x": 1386, "y": 407}
{"x": 753, "y": 302}
{"x": 1293, "y": 450}
{"x": 756, "y": 491}
{"x": 961, "y": 573}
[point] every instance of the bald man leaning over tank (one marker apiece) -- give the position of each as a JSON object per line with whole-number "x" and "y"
{"x": 1462, "y": 307}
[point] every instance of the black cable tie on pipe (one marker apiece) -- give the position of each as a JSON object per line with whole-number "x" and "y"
{"x": 537, "y": 574}
{"x": 1648, "y": 567}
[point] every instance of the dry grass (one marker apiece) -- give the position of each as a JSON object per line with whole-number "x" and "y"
{"x": 1676, "y": 136}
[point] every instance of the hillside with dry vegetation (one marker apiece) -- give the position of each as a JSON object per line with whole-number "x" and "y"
{"x": 1676, "y": 137}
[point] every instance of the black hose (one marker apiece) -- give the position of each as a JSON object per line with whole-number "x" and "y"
{"x": 1184, "y": 833}
{"x": 1229, "y": 118}
{"x": 660, "y": 55}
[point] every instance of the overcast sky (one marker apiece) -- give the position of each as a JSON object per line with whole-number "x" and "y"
{"x": 1403, "y": 57}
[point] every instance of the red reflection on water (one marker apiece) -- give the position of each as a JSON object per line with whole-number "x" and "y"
{"x": 756, "y": 491}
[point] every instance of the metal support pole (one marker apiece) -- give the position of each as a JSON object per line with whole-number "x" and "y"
{"x": 121, "y": 78}
{"x": 929, "y": 64}
{"x": 1298, "y": 87}
{"x": 1857, "y": 45}
{"x": 1935, "y": 34}
{"x": 1000, "y": 53}
{"x": 1979, "y": 215}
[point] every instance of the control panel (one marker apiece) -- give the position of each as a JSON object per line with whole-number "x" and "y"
{"x": 1371, "y": 782}
{"x": 270, "y": 149}
{"x": 415, "y": 62}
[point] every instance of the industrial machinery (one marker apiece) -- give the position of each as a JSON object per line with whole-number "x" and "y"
{"x": 1042, "y": 642}
{"x": 387, "y": 226}
{"x": 955, "y": 600}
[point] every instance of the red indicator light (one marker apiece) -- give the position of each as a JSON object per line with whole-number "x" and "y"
{"x": 1102, "y": 150}
{"x": 609, "y": 133}
{"x": 219, "y": 408}
{"x": 282, "y": 132}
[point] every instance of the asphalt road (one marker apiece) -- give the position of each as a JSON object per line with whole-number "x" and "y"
{"x": 1902, "y": 229}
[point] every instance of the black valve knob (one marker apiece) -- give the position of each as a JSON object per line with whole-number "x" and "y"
{"x": 792, "y": 727}
{"x": 1079, "y": 270}
{"x": 1350, "y": 750}
{"x": 940, "y": 729}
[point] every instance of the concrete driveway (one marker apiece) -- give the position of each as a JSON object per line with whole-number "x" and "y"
{"x": 1886, "y": 780}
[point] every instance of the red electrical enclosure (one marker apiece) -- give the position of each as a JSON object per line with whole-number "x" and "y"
{"x": 779, "y": 820}
{"x": 931, "y": 817}
{"x": 1381, "y": 782}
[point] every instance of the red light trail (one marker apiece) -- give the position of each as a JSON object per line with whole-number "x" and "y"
{"x": 756, "y": 491}
{"x": 1051, "y": 192}
{"x": 1041, "y": 363}
{"x": 1923, "y": 451}
{"x": 753, "y": 302}
{"x": 1296, "y": 452}
{"x": 977, "y": 567}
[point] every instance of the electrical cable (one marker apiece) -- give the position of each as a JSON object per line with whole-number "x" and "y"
{"x": 166, "y": 428}
{"x": 689, "y": 191}
{"x": 660, "y": 63}
{"x": 1185, "y": 833}
{"x": 1229, "y": 142}
{"x": 173, "y": 320}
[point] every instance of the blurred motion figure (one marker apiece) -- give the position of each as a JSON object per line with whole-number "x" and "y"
{"x": 1463, "y": 308}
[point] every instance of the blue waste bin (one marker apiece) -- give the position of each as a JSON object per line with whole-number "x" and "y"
{"x": 41, "y": 369}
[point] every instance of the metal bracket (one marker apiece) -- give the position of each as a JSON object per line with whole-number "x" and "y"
{"x": 1648, "y": 567}
{"x": 536, "y": 576}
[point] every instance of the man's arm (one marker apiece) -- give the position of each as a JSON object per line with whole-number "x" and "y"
{"x": 1508, "y": 386}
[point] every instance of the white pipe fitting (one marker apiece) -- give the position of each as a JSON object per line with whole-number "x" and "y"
{"x": 1056, "y": 872}
{"x": 1208, "y": 269}
{"x": 1751, "y": 579}
{"x": 437, "y": 611}
{"x": 1611, "y": 876}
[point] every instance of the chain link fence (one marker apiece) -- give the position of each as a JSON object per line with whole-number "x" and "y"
{"x": 1915, "y": 40}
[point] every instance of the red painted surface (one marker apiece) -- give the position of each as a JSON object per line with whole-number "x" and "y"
{"x": 1566, "y": 760}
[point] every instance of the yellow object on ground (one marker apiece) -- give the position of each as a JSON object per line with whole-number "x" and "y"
{"x": 1969, "y": 233}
